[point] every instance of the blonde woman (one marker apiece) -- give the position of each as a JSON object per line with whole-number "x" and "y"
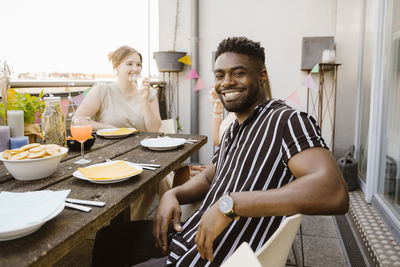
{"x": 122, "y": 103}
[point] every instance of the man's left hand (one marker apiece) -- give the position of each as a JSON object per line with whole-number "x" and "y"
{"x": 212, "y": 223}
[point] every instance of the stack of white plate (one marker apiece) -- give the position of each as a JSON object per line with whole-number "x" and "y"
{"x": 24, "y": 213}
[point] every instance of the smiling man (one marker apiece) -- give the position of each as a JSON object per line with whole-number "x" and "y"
{"x": 272, "y": 162}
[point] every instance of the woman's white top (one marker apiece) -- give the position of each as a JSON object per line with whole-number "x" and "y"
{"x": 120, "y": 110}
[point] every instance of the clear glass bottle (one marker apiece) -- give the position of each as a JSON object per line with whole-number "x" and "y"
{"x": 53, "y": 122}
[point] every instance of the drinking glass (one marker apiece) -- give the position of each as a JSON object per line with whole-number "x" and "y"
{"x": 81, "y": 130}
{"x": 139, "y": 81}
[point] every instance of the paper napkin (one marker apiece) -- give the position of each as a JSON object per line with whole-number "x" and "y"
{"x": 120, "y": 131}
{"x": 116, "y": 170}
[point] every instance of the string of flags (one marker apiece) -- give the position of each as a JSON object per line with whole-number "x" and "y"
{"x": 64, "y": 105}
{"x": 308, "y": 83}
{"x": 293, "y": 96}
{"x": 192, "y": 74}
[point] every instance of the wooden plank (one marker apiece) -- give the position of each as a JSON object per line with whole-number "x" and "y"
{"x": 58, "y": 236}
{"x": 67, "y": 167}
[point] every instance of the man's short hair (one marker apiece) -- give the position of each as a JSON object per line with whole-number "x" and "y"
{"x": 242, "y": 45}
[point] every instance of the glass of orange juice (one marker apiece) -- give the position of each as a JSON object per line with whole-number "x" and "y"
{"x": 81, "y": 130}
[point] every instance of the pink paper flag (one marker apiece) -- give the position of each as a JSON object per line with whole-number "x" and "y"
{"x": 309, "y": 83}
{"x": 192, "y": 75}
{"x": 77, "y": 100}
{"x": 199, "y": 85}
{"x": 37, "y": 116}
{"x": 295, "y": 97}
{"x": 64, "y": 105}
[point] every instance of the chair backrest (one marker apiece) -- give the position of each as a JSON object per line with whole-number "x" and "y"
{"x": 273, "y": 253}
{"x": 277, "y": 248}
{"x": 167, "y": 126}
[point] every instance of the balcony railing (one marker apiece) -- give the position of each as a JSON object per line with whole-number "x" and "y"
{"x": 65, "y": 88}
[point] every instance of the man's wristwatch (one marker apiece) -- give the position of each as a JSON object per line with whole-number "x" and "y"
{"x": 226, "y": 206}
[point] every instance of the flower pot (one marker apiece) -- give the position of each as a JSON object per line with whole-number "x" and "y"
{"x": 167, "y": 61}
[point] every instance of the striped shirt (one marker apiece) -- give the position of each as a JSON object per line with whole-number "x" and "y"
{"x": 252, "y": 156}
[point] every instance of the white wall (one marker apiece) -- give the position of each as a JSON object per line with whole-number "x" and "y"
{"x": 278, "y": 25}
{"x": 348, "y": 39}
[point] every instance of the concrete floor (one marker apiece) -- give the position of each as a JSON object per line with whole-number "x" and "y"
{"x": 321, "y": 241}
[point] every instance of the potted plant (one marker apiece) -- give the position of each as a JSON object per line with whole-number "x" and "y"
{"x": 30, "y": 105}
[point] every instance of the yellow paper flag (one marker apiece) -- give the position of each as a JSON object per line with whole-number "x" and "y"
{"x": 185, "y": 60}
{"x": 12, "y": 95}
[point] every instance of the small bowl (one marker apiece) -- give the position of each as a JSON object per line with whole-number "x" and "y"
{"x": 33, "y": 169}
{"x": 76, "y": 146}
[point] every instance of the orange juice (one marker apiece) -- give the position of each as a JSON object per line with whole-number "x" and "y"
{"x": 81, "y": 133}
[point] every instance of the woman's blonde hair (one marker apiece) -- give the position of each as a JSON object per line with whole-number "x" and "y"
{"x": 119, "y": 55}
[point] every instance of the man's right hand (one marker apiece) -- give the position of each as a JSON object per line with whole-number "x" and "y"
{"x": 168, "y": 209}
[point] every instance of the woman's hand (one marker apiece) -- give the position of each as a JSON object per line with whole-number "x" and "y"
{"x": 196, "y": 169}
{"x": 214, "y": 99}
{"x": 145, "y": 89}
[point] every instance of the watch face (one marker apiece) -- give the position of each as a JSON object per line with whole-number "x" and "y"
{"x": 225, "y": 204}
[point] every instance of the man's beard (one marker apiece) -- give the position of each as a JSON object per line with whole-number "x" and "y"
{"x": 242, "y": 105}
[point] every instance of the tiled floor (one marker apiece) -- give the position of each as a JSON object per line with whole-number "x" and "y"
{"x": 321, "y": 241}
{"x": 382, "y": 247}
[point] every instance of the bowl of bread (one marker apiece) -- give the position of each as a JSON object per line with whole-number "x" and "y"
{"x": 33, "y": 161}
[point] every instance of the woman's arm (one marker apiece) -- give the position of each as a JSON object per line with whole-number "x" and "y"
{"x": 216, "y": 116}
{"x": 151, "y": 111}
{"x": 90, "y": 106}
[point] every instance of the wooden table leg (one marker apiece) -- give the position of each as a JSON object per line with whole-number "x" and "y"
{"x": 123, "y": 216}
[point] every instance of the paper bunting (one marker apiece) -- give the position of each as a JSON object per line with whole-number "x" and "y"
{"x": 192, "y": 75}
{"x": 295, "y": 97}
{"x": 77, "y": 100}
{"x": 185, "y": 60}
{"x": 309, "y": 83}
{"x": 315, "y": 69}
{"x": 64, "y": 105}
{"x": 37, "y": 116}
{"x": 199, "y": 85}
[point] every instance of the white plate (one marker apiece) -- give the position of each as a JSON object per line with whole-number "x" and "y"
{"x": 79, "y": 175}
{"x": 162, "y": 143}
{"x": 28, "y": 229}
{"x": 101, "y": 132}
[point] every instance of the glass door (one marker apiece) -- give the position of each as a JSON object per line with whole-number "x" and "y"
{"x": 370, "y": 21}
{"x": 389, "y": 180}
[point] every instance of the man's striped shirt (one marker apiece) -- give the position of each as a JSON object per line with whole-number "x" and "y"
{"x": 252, "y": 156}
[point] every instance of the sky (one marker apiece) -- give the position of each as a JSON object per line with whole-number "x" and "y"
{"x": 75, "y": 35}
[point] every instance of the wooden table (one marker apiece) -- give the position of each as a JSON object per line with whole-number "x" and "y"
{"x": 61, "y": 234}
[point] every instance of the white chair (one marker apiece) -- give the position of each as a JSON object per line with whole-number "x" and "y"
{"x": 167, "y": 126}
{"x": 273, "y": 253}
